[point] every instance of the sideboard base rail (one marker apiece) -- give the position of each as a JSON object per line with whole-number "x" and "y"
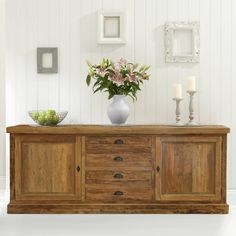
{"x": 118, "y": 208}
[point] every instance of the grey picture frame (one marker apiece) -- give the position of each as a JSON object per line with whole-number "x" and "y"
{"x": 45, "y": 70}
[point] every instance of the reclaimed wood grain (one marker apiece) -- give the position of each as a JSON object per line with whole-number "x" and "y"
{"x": 190, "y": 168}
{"x": 136, "y": 169}
{"x": 47, "y": 167}
{"x": 118, "y": 130}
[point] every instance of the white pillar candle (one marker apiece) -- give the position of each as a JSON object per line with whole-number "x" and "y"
{"x": 191, "y": 83}
{"x": 178, "y": 91}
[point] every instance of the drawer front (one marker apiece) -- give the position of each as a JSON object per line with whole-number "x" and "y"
{"x": 119, "y": 194}
{"x": 120, "y": 178}
{"x": 119, "y": 140}
{"x": 134, "y": 144}
{"x": 118, "y": 160}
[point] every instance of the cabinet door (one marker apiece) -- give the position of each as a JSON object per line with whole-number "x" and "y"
{"x": 188, "y": 168}
{"x": 47, "y": 167}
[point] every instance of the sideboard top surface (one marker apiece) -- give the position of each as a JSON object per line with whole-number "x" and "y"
{"x": 110, "y": 129}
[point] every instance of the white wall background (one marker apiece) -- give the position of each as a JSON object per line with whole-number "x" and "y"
{"x": 2, "y": 94}
{"x": 71, "y": 26}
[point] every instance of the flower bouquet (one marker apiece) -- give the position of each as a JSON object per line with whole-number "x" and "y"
{"x": 118, "y": 80}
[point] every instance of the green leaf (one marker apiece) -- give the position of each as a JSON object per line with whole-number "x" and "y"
{"x": 147, "y": 67}
{"x": 110, "y": 96}
{"x": 141, "y": 68}
{"x": 97, "y": 89}
{"x": 96, "y": 83}
{"x": 88, "y": 80}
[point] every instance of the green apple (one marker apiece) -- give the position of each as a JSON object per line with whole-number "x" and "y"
{"x": 41, "y": 120}
{"x": 35, "y": 116}
{"x": 49, "y": 119}
{"x": 43, "y": 113}
{"x": 51, "y": 112}
{"x": 55, "y": 119}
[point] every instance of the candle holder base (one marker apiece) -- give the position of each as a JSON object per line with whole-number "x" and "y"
{"x": 177, "y": 124}
{"x": 191, "y": 124}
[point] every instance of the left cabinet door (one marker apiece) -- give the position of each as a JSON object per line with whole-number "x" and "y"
{"x": 47, "y": 167}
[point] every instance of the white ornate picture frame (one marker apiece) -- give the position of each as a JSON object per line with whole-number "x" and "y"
{"x": 182, "y": 42}
{"x": 111, "y": 27}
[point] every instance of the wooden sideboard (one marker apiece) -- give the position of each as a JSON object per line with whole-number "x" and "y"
{"x": 118, "y": 169}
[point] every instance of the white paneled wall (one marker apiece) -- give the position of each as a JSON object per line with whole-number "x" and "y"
{"x": 71, "y": 26}
{"x": 2, "y": 93}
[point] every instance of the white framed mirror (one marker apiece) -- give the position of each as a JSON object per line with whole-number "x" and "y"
{"x": 182, "y": 42}
{"x": 111, "y": 27}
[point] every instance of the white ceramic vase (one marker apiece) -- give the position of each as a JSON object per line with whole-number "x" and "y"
{"x": 118, "y": 110}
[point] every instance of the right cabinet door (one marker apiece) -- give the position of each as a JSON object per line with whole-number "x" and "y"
{"x": 188, "y": 168}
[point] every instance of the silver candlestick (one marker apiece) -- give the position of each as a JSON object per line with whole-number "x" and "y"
{"x": 177, "y": 111}
{"x": 191, "y": 109}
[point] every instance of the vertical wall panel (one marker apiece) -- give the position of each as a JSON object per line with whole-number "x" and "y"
{"x": 233, "y": 94}
{"x": 31, "y": 42}
{"x": 87, "y": 25}
{"x": 150, "y": 99}
{"x": 215, "y": 49}
{"x": 226, "y": 69}
{"x": 173, "y": 69}
{"x": 205, "y": 55}
{"x": 129, "y": 48}
{"x": 11, "y": 40}
{"x": 75, "y": 67}
{"x": 140, "y": 51}
{"x": 42, "y": 41}
{"x": 65, "y": 60}
{"x": 53, "y": 41}
{"x": 2, "y": 94}
{"x": 21, "y": 66}
{"x": 194, "y": 15}
{"x": 71, "y": 25}
{"x": 95, "y": 57}
{"x": 187, "y": 69}
{"x": 161, "y": 68}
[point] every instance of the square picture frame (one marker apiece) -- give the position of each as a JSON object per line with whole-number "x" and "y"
{"x": 47, "y": 60}
{"x": 111, "y": 27}
{"x": 182, "y": 42}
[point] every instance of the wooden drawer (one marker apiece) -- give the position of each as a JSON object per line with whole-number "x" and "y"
{"x": 125, "y": 140}
{"x": 119, "y": 194}
{"x": 120, "y": 178}
{"x": 118, "y": 160}
{"x": 113, "y": 144}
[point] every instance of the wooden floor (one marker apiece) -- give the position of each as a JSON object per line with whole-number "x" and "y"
{"x": 115, "y": 225}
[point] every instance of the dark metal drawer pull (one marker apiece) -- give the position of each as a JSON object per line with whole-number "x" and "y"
{"x": 158, "y": 168}
{"x": 78, "y": 168}
{"x": 119, "y": 141}
{"x": 118, "y": 158}
{"x": 118, "y": 193}
{"x": 118, "y": 176}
